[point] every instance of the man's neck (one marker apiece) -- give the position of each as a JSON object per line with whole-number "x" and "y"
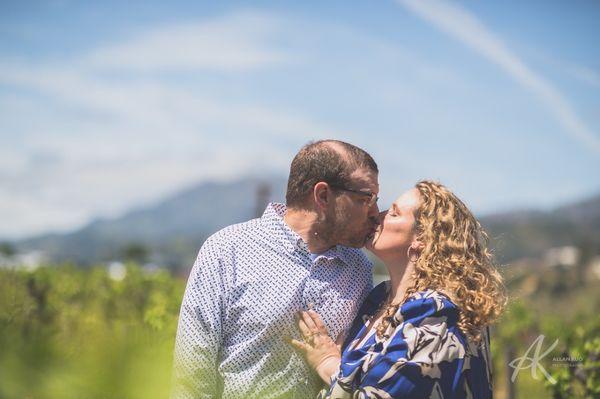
{"x": 304, "y": 223}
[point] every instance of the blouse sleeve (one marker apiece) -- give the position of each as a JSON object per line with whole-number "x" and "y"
{"x": 424, "y": 353}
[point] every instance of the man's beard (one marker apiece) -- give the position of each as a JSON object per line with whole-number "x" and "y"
{"x": 337, "y": 228}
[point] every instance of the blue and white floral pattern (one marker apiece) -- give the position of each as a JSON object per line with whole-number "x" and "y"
{"x": 422, "y": 355}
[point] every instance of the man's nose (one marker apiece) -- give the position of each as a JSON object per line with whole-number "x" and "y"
{"x": 374, "y": 211}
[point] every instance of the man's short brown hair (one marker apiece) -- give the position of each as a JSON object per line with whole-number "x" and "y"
{"x": 330, "y": 161}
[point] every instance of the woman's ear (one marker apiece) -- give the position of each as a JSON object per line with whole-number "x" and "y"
{"x": 417, "y": 245}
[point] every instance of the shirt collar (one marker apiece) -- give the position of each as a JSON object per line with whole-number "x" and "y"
{"x": 337, "y": 252}
{"x": 273, "y": 219}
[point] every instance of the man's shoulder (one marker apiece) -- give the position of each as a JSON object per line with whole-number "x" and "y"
{"x": 234, "y": 232}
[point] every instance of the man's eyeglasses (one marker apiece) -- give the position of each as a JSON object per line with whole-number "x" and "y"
{"x": 372, "y": 197}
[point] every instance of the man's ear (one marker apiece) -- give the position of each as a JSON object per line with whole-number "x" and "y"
{"x": 321, "y": 195}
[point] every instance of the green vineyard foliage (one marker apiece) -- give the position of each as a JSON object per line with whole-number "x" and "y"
{"x": 72, "y": 332}
{"x": 67, "y": 332}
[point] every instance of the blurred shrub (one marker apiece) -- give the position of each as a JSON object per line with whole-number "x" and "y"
{"x": 574, "y": 363}
{"x": 577, "y": 373}
{"x": 67, "y": 332}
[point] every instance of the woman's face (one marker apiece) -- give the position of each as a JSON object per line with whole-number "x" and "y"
{"x": 396, "y": 230}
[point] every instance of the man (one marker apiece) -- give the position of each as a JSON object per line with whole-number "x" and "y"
{"x": 252, "y": 278}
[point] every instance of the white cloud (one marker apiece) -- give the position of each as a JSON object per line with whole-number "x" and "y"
{"x": 234, "y": 42}
{"x": 464, "y": 26}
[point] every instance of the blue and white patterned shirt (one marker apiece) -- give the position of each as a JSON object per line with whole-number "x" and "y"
{"x": 244, "y": 290}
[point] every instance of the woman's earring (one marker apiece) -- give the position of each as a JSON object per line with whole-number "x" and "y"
{"x": 408, "y": 255}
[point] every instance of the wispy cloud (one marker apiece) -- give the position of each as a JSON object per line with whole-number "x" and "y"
{"x": 234, "y": 42}
{"x": 464, "y": 26}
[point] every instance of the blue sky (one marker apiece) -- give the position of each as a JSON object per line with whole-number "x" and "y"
{"x": 108, "y": 106}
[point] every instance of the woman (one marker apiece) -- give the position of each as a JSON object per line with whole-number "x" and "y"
{"x": 423, "y": 333}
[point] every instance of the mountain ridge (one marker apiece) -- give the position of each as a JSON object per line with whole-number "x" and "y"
{"x": 175, "y": 227}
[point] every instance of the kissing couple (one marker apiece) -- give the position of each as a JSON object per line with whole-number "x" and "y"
{"x": 283, "y": 306}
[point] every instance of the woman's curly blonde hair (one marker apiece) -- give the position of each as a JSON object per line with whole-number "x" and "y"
{"x": 454, "y": 261}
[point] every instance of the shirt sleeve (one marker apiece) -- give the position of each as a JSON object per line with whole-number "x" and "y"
{"x": 423, "y": 354}
{"x": 199, "y": 339}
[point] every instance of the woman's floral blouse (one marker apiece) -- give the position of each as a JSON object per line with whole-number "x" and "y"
{"x": 422, "y": 355}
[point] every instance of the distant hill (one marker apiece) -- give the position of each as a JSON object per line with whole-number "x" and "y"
{"x": 520, "y": 234}
{"x": 174, "y": 228}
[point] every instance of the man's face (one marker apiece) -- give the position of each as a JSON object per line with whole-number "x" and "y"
{"x": 352, "y": 219}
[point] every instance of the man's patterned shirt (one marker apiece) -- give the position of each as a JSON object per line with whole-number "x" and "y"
{"x": 244, "y": 290}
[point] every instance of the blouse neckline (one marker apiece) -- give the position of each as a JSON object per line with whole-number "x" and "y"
{"x": 366, "y": 333}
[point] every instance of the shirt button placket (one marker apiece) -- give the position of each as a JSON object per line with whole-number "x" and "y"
{"x": 309, "y": 294}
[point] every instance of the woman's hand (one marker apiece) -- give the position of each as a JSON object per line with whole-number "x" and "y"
{"x": 320, "y": 351}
